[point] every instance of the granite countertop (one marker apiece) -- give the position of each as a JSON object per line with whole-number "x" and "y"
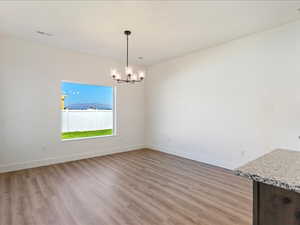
{"x": 280, "y": 168}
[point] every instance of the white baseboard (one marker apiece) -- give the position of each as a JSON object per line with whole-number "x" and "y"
{"x": 55, "y": 160}
{"x": 171, "y": 151}
{"x": 188, "y": 155}
{"x": 74, "y": 157}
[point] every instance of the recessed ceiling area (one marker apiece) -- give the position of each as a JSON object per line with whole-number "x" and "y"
{"x": 160, "y": 29}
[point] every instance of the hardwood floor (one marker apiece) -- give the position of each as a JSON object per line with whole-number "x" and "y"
{"x": 141, "y": 187}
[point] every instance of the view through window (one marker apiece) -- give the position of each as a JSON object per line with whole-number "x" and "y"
{"x": 87, "y": 110}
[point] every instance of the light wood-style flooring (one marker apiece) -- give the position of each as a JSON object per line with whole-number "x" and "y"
{"x": 142, "y": 187}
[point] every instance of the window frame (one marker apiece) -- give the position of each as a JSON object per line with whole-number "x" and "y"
{"x": 114, "y": 110}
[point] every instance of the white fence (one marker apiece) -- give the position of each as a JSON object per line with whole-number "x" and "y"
{"x": 85, "y": 120}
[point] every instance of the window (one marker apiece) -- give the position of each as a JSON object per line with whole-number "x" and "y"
{"x": 87, "y": 110}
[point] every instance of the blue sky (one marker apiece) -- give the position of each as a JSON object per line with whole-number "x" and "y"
{"x": 85, "y": 93}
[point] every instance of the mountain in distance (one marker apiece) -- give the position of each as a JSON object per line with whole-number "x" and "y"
{"x": 86, "y": 106}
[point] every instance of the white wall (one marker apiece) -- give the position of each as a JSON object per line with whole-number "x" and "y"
{"x": 30, "y": 115}
{"x": 229, "y": 104}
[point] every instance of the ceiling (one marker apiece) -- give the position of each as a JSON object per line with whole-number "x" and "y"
{"x": 161, "y": 29}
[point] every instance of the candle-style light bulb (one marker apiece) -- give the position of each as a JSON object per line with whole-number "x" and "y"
{"x": 113, "y": 73}
{"x": 134, "y": 77}
{"x": 118, "y": 76}
{"x": 141, "y": 75}
{"x": 128, "y": 70}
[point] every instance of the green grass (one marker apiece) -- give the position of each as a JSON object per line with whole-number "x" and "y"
{"x": 83, "y": 134}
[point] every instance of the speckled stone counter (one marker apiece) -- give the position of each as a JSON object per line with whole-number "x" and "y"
{"x": 280, "y": 168}
{"x": 276, "y": 187}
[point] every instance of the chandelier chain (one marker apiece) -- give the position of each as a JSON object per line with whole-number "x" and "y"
{"x": 127, "y": 51}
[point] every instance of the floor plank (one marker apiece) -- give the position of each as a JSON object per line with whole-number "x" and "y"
{"x": 142, "y": 187}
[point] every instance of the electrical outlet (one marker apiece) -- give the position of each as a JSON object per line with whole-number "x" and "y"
{"x": 243, "y": 153}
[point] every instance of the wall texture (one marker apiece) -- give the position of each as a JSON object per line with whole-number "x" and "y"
{"x": 228, "y": 104}
{"x": 30, "y": 117}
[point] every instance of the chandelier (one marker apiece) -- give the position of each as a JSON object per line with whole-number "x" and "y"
{"x": 131, "y": 77}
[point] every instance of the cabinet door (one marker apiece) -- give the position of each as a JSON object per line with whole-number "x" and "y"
{"x": 275, "y": 206}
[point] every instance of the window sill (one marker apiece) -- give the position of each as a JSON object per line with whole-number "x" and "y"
{"x": 85, "y": 138}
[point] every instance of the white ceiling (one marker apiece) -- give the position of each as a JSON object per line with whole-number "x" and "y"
{"x": 161, "y": 29}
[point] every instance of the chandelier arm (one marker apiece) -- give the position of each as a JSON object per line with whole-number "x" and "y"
{"x": 122, "y": 81}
